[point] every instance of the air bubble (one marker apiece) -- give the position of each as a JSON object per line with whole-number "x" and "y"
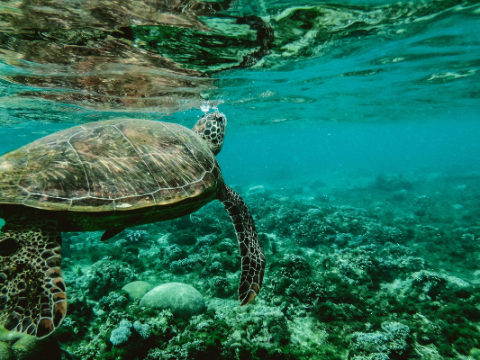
{"x": 205, "y": 107}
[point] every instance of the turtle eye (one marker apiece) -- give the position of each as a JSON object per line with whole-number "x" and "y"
{"x": 8, "y": 246}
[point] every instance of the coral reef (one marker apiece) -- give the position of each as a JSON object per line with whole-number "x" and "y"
{"x": 392, "y": 340}
{"x": 121, "y": 334}
{"x": 386, "y": 269}
{"x": 144, "y": 330}
{"x": 108, "y": 274}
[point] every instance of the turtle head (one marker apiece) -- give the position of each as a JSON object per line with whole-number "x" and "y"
{"x": 211, "y": 127}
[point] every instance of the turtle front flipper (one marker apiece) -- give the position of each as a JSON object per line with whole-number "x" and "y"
{"x": 32, "y": 290}
{"x": 253, "y": 259}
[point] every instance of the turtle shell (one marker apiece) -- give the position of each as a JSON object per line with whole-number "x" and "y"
{"x": 113, "y": 165}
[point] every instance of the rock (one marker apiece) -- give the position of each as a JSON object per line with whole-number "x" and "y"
{"x": 137, "y": 289}
{"x": 181, "y": 299}
{"x": 18, "y": 346}
{"x": 256, "y": 190}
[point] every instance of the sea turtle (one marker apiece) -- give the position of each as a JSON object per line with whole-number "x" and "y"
{"x": 105, "y": 175}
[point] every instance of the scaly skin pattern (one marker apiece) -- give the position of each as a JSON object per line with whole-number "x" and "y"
{"x": 32, "y": 290}
{"x": 211, "y": 128}
{"x": 253, "y": 259}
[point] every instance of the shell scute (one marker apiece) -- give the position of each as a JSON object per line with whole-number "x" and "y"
{"x": 198, "y": 149}
{"x": 209, "y": 179}
{"x": 47, "y": 202}
{"x": 113, "y": 167}
{"x": 194, "y": 189}
{"x": 92, "y": 204}
{"x": 54, "y": 170}
{"x": 134, "y": 202}
{"x": 11, "y": 169}
{"x": 169, "y": 196}
{"x": 167, "y": 156}
{"x": 109, "y": 165}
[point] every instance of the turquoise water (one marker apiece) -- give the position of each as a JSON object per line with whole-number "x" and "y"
{"x": 353, "y": 137}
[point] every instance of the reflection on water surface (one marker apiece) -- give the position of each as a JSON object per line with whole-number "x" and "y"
{"x": 156, "y": 57}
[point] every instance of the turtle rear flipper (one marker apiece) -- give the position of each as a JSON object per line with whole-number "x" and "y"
{"x": 32, "y": 290}
{"x": 253, "y": 259}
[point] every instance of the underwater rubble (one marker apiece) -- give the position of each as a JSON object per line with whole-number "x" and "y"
{"x": 386, "y": 267}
